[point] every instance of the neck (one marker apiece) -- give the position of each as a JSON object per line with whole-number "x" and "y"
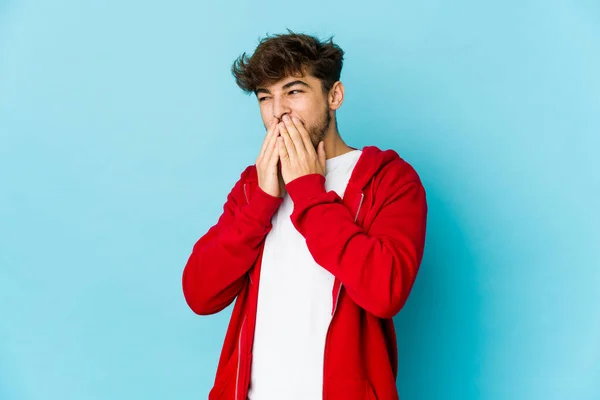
{"x": 335, "y": 145}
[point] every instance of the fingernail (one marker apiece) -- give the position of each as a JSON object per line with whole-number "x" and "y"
{"x": 286, "y": 118}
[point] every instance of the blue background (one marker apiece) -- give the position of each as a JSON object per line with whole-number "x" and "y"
{"x": 122, "y": 131}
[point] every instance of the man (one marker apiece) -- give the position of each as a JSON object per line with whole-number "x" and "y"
{"x": 319, "y": 243}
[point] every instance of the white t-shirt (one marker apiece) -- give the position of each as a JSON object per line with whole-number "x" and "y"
{"x": 294, "y": 305}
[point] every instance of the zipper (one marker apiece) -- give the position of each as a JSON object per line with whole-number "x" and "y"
{"x": 246, "y": 194}
{"x": 326, "y": 339}
{"x": 362, "y": 197}
{"x": 337, "y": 298}
{"x": 247, "y": 202}
{"x": 237, "y": 375}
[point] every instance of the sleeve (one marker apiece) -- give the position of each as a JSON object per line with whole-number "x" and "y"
{"x": 217, "y": 268}
{"x": 378, "y": 267}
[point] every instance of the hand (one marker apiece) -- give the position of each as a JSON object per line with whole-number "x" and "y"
{"x": 296, "y": 151}
{"x": 269, "y": 178}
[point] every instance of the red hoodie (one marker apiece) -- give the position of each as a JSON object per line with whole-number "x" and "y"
{"x": 371, "y": 241}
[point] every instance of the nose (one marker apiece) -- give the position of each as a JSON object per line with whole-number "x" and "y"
{"x": 280, "y": 108}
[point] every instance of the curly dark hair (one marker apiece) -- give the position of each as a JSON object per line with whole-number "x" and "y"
{"x": 291, "y": 54}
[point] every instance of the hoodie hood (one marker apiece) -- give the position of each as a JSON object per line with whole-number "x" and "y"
{"x": 371, "y": 161}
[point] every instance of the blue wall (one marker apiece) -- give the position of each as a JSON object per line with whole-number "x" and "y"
{"x": 121, "y": 132}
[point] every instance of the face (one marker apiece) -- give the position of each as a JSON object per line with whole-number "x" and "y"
{"x": 300, "y": 97}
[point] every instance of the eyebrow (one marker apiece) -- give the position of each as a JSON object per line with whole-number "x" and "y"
{"x": 284, "y": 87}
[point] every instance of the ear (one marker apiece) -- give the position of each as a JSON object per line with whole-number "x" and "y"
{"x": 336, "y": 96}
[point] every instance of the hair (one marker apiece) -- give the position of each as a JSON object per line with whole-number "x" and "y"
{"x": 279, "y": 56}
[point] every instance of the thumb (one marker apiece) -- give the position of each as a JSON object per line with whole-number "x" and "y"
{"x": 322, "y": 155}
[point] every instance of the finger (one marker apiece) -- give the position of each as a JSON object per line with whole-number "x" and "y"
{"x": 284, "y": 155}
{"x": 295, "y": 136}
{"x": 288, "y": 143}
{"x": 270, "y": 132}
{"x": 322, "y": 155}
{"x": 271, "y": 144}
{"x": 271, "y": 154}
{"x": 303, "y": 134}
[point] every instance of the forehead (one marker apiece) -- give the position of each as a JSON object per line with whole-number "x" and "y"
{"x": 309, "y": 80}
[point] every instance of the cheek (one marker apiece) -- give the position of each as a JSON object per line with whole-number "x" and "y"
{"x": 264, "y": 113}
{"x": 310, "y": 116}
{"x": 267, "y": 119}
{"x": 309, "y": 120}
{"x": 305, "y": 116}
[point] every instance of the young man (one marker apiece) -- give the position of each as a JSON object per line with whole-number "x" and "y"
{"x": 319, "y": 243}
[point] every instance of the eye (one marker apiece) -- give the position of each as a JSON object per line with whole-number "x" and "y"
{"x": 260, "y": 100}
{"x": 295, "y": 91}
